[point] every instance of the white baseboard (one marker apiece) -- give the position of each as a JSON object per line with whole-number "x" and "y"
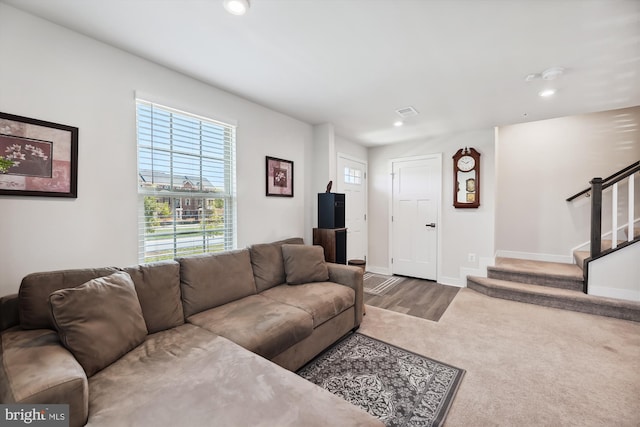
{"x": 460, "y": 281}
{"x": 379, "y": 270}
{"x": 626, "y": 294}
{"x": 565, "y": 259}
{"x": 481, "y": 271}
{"x": 453, "y": 281}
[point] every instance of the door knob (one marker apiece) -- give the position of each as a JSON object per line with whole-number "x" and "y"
{"x": 432, "y": 225}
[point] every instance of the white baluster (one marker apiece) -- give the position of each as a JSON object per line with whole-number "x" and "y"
{"x": 614, "y": 216}
{"x": 630, "y": 225}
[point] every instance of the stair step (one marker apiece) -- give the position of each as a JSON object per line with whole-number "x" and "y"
{"x": 580, "y": 257}
{"x": 542, "y": 273}
{"x": 555, "y": 297}
{"x": 606, "y": 244}
{"x": 636, "y": 232}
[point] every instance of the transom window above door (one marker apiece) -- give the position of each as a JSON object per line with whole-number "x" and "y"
{"x": 352, "y": 176}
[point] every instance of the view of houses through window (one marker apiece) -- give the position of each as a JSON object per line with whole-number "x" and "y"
{"x": 186, "y": 183}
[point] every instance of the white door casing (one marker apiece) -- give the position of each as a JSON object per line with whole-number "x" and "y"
{"x": 351, "y": 177}
{"x": 416, "y": 199}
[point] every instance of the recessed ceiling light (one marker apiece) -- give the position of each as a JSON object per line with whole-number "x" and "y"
{"x": 236, "y": 7}
{"x": 547, "y": 93}
{"x": 398, "y": 124}
{"x": 552, "y": 73}
{"x": 548, "y": 74}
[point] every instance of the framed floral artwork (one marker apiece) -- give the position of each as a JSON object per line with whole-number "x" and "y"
{"x": 37, "y": 158}
{"x": 279, "y": 177}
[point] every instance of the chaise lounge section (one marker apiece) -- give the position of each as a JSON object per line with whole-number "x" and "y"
{"x": 192, "y": 341}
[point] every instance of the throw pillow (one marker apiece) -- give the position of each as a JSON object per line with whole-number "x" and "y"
{"x": 33, "y": 296}
{"x": 267, "y": 263}
{"x": 304, "y": 264}
{"x": 99, "y": 321}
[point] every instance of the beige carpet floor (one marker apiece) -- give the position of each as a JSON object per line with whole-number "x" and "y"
{"x": 526, "y": 365}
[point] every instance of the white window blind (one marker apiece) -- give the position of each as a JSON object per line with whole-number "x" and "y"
{"x": 186, "y": 183}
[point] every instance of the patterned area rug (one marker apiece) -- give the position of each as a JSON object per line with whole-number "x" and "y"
{"x": 399, "y": 387}
{"x": 378, "y": 284}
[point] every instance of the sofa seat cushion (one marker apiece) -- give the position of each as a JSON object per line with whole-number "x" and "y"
{"x": 37, "y": 369}
{"x": 257, "y": 323}
{"x": 322, "y": 300}
{"x": 187, "y": 376}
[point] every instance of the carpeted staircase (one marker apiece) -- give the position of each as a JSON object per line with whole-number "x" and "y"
{"x": 581, "y": 256}
{"x": 550, "y": 284}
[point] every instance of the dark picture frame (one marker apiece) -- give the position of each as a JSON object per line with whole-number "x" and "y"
{"x": 279, "y": 177}
{"x": 45, "y": 157}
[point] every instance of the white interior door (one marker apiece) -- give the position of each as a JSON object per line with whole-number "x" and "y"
{"x": 351, "y": 177}
{"x": 415, "y": 208}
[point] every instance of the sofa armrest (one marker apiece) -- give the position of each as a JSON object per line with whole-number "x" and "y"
{"x": 352, "y": 277}
{"x": 36, "y": 368}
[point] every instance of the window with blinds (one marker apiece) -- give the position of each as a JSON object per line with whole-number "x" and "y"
{"x": 186, "y": 183}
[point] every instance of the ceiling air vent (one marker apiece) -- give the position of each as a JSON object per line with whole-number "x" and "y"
{"x": 407, "y": 112}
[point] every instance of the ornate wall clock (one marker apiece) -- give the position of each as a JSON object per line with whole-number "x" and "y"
{"x": 466, "y": 178}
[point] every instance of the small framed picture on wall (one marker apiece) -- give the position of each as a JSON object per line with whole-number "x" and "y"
{"x": 279, "y": 177}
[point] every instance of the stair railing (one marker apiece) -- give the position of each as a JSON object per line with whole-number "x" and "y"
{"x": 598, "y": 185}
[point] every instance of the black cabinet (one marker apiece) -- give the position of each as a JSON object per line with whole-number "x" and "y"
{"x": 331, "y": 210}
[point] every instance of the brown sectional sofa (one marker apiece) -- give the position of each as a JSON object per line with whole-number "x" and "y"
{"x": 195, "y": 341}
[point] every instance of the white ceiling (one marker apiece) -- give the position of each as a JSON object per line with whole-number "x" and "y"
{"x": 460, "y": 63}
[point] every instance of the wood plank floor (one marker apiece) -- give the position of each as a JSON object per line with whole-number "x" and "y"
{"x": 416, "y": 297}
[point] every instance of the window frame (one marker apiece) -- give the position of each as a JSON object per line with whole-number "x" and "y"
{"x": 181, "y": 199}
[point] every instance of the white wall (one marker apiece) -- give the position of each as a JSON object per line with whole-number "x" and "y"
{"x": 52, "y": 74}
{"x": 540, "y": 164}
{"x": 350, "y": 148}
{"x": 463, "y": 231}
{"x": 324, "y": 164}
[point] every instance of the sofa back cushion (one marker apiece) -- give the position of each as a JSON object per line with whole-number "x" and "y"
{"x": 99, "y": 321}
{"x": 158, "y": 288}
{"x": 212, "y": 280}
{"x": 268, "y": 264}
{"x": 33, "y": 296}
